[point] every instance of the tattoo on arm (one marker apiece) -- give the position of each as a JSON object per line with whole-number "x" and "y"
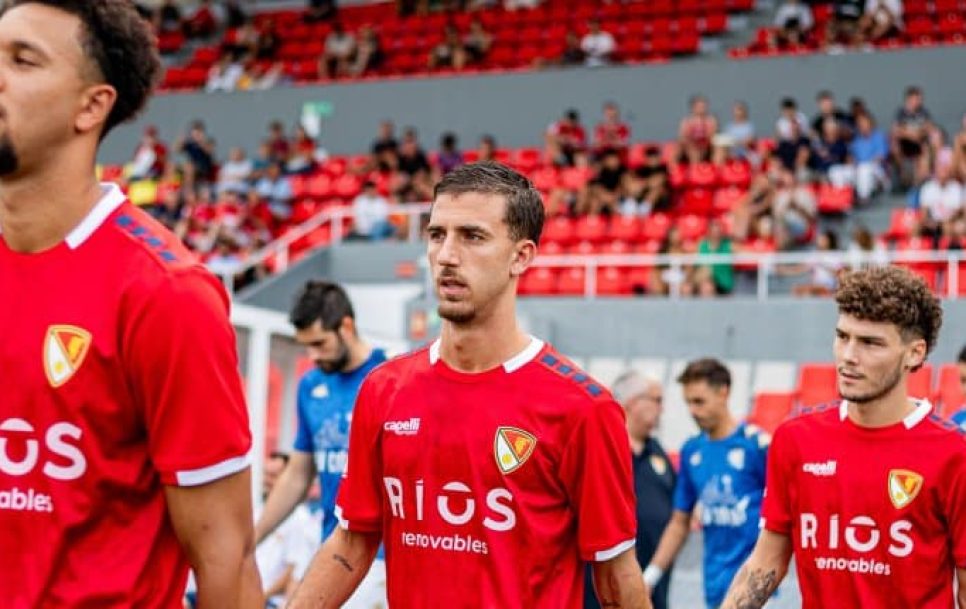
{"x": 604, "y": 603}
{"x": 753, "y": 588}
{"x": 342, "y": 561}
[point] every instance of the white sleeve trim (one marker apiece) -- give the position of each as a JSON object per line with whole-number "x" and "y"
{"x": 204, "y": 475}
{"x": 605, "y": 555}
{"x": 338, "y": 515}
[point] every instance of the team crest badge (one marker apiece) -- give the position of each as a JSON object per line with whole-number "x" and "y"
{"x": 904, "y": 486}
{"x": 65, "y": 348}
{"x": 512, "y": 448}
{"x": 658, "y": 464}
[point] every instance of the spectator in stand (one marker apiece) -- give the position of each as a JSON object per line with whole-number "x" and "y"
{"x": 338, "y": 53}
{"x": 203, "y": 21}
{"x": 941, "y": 198}
{"x": 959, "y": 152}
{"x": 384, "y": 149}
{"x": 696, "y": 131}
{"x": 224, "y": 259}
{"x": 450, "y": 52}
{"x": 828, "y": 110}
{"x": 794, "y": 22}
{"x": 823, "y": 270}
{"x": 648, "y": 188}
{"x": 170, "y": 209}
{"x": 259, "y": 77}
{"x": 911, "y": 133}
{"x": 236, "y": 173}
{"x": 880, "y": 20}
{"x": 415, "y": 172}
{"x": 865, "y": 250}
{"x": 666, "y": 279}
{"x": 789, "y": 114}
{"x": 224, "y": 74}
{"x": 370, "y": 212}
{"x": 369, "y": 53}
{"x": 603, "y": 193}
{"x": 168, "y": 18}
{"x": 198, "y": 157}
{"x": 320, "y": 10}
{"x": 843, "y": 25}
{"x": 831, "y": 155}
{"x": 477, "y": 42}
{"x": 449, "y": 157}
{"x": 869, "y": 151}
{"x": 597, "y": 45}
{"x": 150, "y": 157}
{"x": 857, "y": 108}
{"x": 302, "y": 158}
{"x": 573, "y": 54}
{"x": 721, "y": 275}
{"x": 566, "y": 140}
{"x": 611, "y": 133}
{"x": 263, "y": 158}
{"x": 279, "y": 144}
{"x": 515, "y": 5}
{"x": 235, "y": 15}
{"x": 741, "y": 131}
{"x": 486, "y": 151}
{"x": 795, "y": 151}
{"x": 276, "y": 190}
{"x": 245, "y": 43}
{"x": 795, "y": 211}
{"x": 267, "y": 41}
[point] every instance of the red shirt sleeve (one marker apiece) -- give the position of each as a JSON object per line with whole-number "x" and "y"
{"x": 954, "y": 482}
{"x": 359, "y": 502}
{"x": 596, "y": 470}
{"x": 182, "y": 365}
{"x": 776, "y": 507}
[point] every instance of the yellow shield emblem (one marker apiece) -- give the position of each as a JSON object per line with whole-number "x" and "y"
{"x": 512, "y": 447}
{"x": 65, "y": 348}
{"x": 904, "y": 486}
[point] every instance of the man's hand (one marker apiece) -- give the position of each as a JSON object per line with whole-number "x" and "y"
{"x": 619, "y": 584}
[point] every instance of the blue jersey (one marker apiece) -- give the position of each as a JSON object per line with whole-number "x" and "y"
{"x": 727, "y": 477}
{"x": 960, "y": 418}
{"x": 325, "y": 402}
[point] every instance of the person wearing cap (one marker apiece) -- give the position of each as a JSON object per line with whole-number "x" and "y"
{"x": 642, "y": 396}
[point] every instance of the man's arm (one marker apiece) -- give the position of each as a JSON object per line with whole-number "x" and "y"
{"x": 762, "y": 572}
{"x": 213, "y": 522}
{"x": 672, "y": 540}
{"x": 618, "y": 583}
{"x": 961, "y": 595}
{"x": 289, "y": 491}
{"x": 336, "y": 570}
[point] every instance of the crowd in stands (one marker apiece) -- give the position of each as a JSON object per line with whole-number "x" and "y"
{"x": 719, "y": 187}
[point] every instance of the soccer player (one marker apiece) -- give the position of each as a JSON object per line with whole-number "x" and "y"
{"x": 325, "y": 325}
{"x": 491, "y": 468}
{"x": 124, "y": 435}
{"x": 959, "y": 417}
{"x": 722, "y": 474}
{"x": 869, "y": 494}
{"x": 642, "y": 397}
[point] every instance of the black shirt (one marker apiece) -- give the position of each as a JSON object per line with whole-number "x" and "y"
{"x": 787, "y": 151}
{"x": 848, "y": 9}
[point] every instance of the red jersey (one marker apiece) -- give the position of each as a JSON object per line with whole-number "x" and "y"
{"x": 876, "y": 517}
{"x": 611, "y": 135}
{"x": 120, "y": 376}
{"x": 491, "y": 490}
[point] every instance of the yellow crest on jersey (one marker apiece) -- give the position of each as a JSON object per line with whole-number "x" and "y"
{"x": 512, "y": 447}
{"x": 65, "y": 348}
{"x": 904, "y": 486}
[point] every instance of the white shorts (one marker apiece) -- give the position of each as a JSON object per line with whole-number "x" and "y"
{"x": 371, "y": 593}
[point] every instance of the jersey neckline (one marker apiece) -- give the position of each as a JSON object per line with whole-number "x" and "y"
{"x": 918, "y": 415}
{"x": 521, "y": 359}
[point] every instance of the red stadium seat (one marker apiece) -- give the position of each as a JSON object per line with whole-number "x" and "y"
{"x": 616, "y": 247}
{"x": 920, "y": 383}
{"x": 736, "y": 173}
{"x": 702, "y": 175}
{"x": 949, "y": 391}
{"x": 902, "y": 223}
{"x": 817, "y": 384}
{"x": 832, "y": 200}
{"x": 539, "y": 281}
{"x": 592, "y": 228}
{"x": 698, "y": 202}
{"x": 320, "y": 186}
{"x": 545, "y": 179}
{"x": 611, "y": 281}
{"x": 692, "y": 227}
{"x": 638, "y": 279}
{"x": 656, "y": 227}
{"x": 575, "y": 178}
{"x": 572, "y": 281}
{"x": 625, "y": 228}
{"x": 559, "y": 229}
{"x": 769, "y": 410}
{"x": 727, "y": 199}
{"x": 582, "y": 248}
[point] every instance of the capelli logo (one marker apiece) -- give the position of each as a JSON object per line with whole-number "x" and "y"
{"x": 825, "y": 469}
{"x": 403, "y": 428}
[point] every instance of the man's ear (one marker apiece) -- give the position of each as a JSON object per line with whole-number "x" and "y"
{"x": 96, "y": 103}
{"x": 524, "y": 254}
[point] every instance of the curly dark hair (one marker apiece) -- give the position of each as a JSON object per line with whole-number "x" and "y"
{"x": 120, "y": 44}
{"x": 894, "y": 295}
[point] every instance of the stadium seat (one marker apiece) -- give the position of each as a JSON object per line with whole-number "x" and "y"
{"x": 835, "y": 200}
{"x": 702, "y": 175}
{"x": 768, "y": 410}
{"x": 638, "y": 279}
{"x": 582, "y": 248}
{"x": 949, "y": 391}
{"x": 559, "y": 229}
{"x": 697, "y": 201}
{"x": 920, "y": 383}
{"x": 143, "y": 192}
{"x": 656, "y": 227}
{"x": 614, "y": 247}
{"x": 572, "y": 281}
{"x": 625, "y": 228}
{"x": 545, "y": 179}
{"x": 539, "y": 281}
{"x": 692, "y": 227}
{"x": 727, "y": 199}
{"x": 817, "y": 384}
{"x": 592, "y": 228}
{"x": 736, "y": 173}
{"x": 612, "y": 282}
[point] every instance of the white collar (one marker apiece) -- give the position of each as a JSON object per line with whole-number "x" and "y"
{"x": 922, "y": 410}
{"x": 511, "y": 365}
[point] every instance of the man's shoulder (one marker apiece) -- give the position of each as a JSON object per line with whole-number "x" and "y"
{"x": 147, "y": 243}
{"x": 566, "y": 379}
{"x": 804, "y": 419}
{"x": 399, "y": 369}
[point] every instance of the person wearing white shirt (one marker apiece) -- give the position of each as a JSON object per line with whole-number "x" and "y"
{"x": 235, "y": 173}
{"x": 370, "y": 214}
{"x": 794, "y": 20}
{"x": 597, "y": 45}
{"x": 881, "y": 19}
{"x": 942, "y": 199}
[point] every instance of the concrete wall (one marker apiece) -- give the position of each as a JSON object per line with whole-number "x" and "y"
{"x": 516, "y": 107}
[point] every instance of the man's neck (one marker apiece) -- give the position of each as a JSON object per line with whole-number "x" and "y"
{"x": 480, "y": 346}
{"x": 886, "y": 411}
{"x": 359, "y": 354}
{"x": 637, "y": 444}
{"x": 725, "y": 429}
{"x": 38, "y": 211}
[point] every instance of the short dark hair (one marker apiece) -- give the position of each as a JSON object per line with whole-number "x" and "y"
{"x": 893, "y": 295}
{"x": 913, "y": 90}
{"x": 524, "y": 207}
{"x": 962, "y": 355}
{"x": 709, "y": 370}
{"x": 789, "y": 103}
{"x": 119, "y": 43}
{"x": 321, "y": 301}
{"x": 824, "y": 94}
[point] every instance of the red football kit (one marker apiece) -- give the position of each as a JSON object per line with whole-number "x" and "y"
{"x": 120, "y": 376}
{"x": 490, "y": 490}
{"x": 876, "y": 516}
